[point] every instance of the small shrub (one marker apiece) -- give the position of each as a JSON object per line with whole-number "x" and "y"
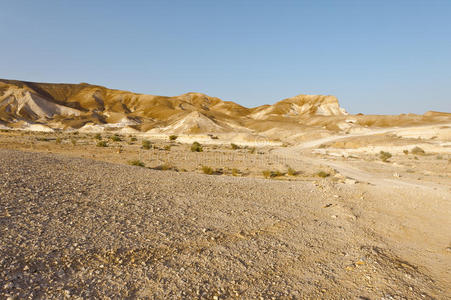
{"x": 165, "y": 167}
{"x": 73, "y": 141}
{"x": 322, "y": 146}
{"x": 173, "y": 137}
{"x": 58, "y": 140}
{"x": 234, "y": 146}
{"x": 102, "y": 144}
{"x": 292, "y": 172}
{"x": 146, "y": 144}
{"x": 207, "y": 170}
{"x": 418, "y": 151}
{"x": 167, "y": 147}
{"x": 384, "y": 156}
{"x": 322, "y": 174}
{"x": 439, "y": 157}
{"x": 136, "y": 162}
{"x": 133, "y": 139}
{"x": 235, "y": 172}
{"x": 196, "y": 147}
{"x": 405, "y": 152}
{"x": 116, "y": 138}
{"x": 252, "y": 150}
{"x": 98, "y": 136}
{"x": 272, "y": 174}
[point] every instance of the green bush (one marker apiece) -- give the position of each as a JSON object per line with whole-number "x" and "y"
{"x": 136, "y": 162}
{"x": 196, "y": 147}
{"x": 102, "y": 144}
{"x": 384, "y": 156}
{"x": 146, "y": 144}
{"x": 173, "y": 137}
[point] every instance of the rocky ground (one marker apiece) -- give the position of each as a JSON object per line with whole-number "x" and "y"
{"x": 80, "y": 228}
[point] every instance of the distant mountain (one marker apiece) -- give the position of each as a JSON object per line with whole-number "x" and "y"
{"x": 89, "y": 107}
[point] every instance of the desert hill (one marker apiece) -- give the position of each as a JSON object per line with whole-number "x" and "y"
{"x": 50, "y": 106}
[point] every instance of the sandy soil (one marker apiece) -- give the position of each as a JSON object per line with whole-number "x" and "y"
{"x": 79, "y": 222}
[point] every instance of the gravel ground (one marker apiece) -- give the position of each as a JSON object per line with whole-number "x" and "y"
{"x": 78, "y": 228}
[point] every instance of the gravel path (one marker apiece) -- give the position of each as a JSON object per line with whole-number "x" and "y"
{"x": 79, "y": 228}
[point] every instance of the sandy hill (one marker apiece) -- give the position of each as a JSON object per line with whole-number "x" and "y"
{"x": 92, "y": 107}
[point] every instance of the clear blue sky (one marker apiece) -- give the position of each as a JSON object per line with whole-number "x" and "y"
{"x": 376, "y": 56}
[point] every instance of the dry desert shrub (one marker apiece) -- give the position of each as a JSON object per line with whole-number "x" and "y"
{"x": 146, "y": 144}
{"x": 136, "y": 162}
{"x": 418, "y": 151}
{"x": 102, "y": 144}
{"x": 98, "y": 136}
{"x": 235, "y": 172}
{"x": 234, "y": 146}
{"x": 116, "y": 138}
{"x": 292, "y": 172}
{"x": 196, "y": 147}
{"x": 173, "y": 137}
{"x": 322, "y": 174}
{"x": 405, "y": 152}
{"x": 384, "y": 156}
{"x": 207, "y": 170}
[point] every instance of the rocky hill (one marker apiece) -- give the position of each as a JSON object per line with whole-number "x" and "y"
{"x": 91, "y": 108}
{"x": 76, "y": 105}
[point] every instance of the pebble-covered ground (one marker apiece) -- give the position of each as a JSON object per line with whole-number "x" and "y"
{"x": 79, "y": 228}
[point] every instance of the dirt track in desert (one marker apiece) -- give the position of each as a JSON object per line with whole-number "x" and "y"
{"x": 74, "y": 227}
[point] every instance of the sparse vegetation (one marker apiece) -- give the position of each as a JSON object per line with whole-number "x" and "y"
{"x": 102, "y": 144}
{"x": 58, "y": 140}
{"x": 207, "y": 170}
{"x": 252, "y": 150}
{"x": 116, "y": 138}
{"x": 146, "y": 144}
{"x": 234, "y": 146}
{"x": 167, "y": 147}
{"x": 292, "y": 172}
{"x": 73, "y": 141}
{"x": 173, "y": 137}
{"x": 418, "y": 151}
{"x": 405, "y": 152}
{"x": 165, "y": 167}
{"x": 272, "y": 174}
{"x": 322, "y": 174}
{"x": 136, "y": 162}
{"x": 235, "y": 172}
{"x": 384, "y": 156}
{"x": 98, "y": 136}
{"x": 133, "y": 139}
{"x": 196, "y": 147}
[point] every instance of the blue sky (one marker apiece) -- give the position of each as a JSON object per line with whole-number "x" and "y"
{"x": 383, "y": 57}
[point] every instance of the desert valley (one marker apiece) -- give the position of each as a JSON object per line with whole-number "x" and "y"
{"x": 109, "y": 193}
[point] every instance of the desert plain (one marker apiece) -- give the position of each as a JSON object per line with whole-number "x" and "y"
{"x": 110, "y": 194}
